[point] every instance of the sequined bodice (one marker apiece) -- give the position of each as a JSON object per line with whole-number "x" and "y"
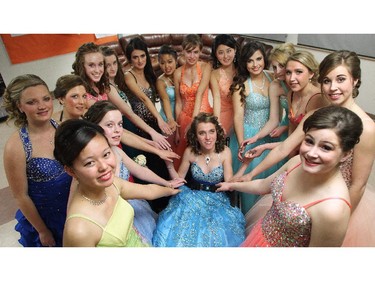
{"x": 215, "y": 176}
{"x": 39, "y": 169}
{"x": 257, "y": 109}
{"x": 286, "y": 224}
{"x": 48, "y": 183}
{"x": 346, "y": 169}
{"x": 140, "y": 108}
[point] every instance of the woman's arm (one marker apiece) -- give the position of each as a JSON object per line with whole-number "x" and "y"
{"x": 273, "y": 120}
{"x": 215, "y": 91}
{"x": 130, "y": 190}
{"x": 145, "y": 173}
{"x": 238, "y": 116}
{"x": 279, "y": 152}
{"x": 227, "y": 164}
{"x": 166, "y": 104}
{"x": 206, "y": 74}
{"x": 115, "y": 98}
{"x": 178, "y": 101}
{"x": 363, "y": 160}
{"x": 134, "y": 88}
{"x": 15, "y": 171}
{"x": 130, "y": 139}
{"x": 330, "y": 221}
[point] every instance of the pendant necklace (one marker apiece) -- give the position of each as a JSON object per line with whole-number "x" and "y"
{"x": 95, "y": 202}
{"x": 207, "y": 159}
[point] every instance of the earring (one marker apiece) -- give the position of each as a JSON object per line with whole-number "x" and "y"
{"x": 235, "y": 60}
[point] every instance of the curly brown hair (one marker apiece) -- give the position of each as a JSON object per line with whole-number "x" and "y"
{"x": 192, "y": 139}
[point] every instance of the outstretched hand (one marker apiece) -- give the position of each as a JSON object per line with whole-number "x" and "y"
{"x": 224, "y": 186}
{"x": 176, "y": 182}
{"x": 161, "y": 141}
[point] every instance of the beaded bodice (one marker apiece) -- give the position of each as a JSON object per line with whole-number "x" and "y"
{"x": 257, "y": 108}
{"x": 39, "y": 169}
{"x": 286, "y": 224}
{"x": 215, "y": 176}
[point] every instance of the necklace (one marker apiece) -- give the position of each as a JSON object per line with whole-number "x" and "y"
{"x": 263, "y": 82}
{"x": 95, "y": 202}
{"x": 207, "y": 159}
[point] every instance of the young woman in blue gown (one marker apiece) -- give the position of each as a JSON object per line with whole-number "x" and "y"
{"x": 198, "y": 216}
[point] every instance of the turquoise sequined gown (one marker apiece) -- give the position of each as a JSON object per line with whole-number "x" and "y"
{"x": 256, "y": 114}
{"x": 196, "y": 218}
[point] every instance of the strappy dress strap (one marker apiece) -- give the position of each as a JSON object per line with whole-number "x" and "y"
{"x": 325, "y": 199}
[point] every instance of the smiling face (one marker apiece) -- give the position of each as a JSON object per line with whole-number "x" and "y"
{"x": 192, "y": 55}
{"x": 225, "y": 54}
{"x": 321, "y": 151}
{"x": 112, "y": 126}
{"x": 36, "y": 102}
{"x": 167, "y": 64}
{"x": 297, "y": 75}
{"x": 255, "y": 64}
{"x": 138, "y": 59}
{"x": 207, "y": 135}
{"x": 94, "y": 66}
{"x": 74, "y": 102}
{"x": 338, "y": 85}
{"x": 95, "y": 165}
{"x": 111, "y": 66}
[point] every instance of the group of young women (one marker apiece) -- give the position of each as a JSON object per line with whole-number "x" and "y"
{"x": 73, "y": 180}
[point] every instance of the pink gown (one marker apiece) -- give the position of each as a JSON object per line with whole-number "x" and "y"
{"x": 188, "y": 94}
{"x": 361, "y": 229}
{"x": 286, "y": 223}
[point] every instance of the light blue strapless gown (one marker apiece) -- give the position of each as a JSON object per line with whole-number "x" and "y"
{"x": 196, "y": 218}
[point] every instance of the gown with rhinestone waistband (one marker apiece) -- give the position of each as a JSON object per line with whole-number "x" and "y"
{"x": 197, "y": 218}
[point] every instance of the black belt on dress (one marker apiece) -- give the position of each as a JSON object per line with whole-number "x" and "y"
{"x": 204, "y": 186}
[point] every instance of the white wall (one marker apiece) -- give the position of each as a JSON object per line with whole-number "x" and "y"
{"x": 52, "y": 68}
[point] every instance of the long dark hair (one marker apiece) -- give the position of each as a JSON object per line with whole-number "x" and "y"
{"x": 242, "y": 73}
{"x": 227, "y": 40}
{"x": 138, "y": 44}
{"x": 119, "y": 78}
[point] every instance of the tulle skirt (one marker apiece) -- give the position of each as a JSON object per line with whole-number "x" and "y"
{"x": 199, "y": 219}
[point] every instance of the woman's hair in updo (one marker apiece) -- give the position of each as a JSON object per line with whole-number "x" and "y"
{"x": 71, "y": 138}
{"x": 347, "y": 125}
